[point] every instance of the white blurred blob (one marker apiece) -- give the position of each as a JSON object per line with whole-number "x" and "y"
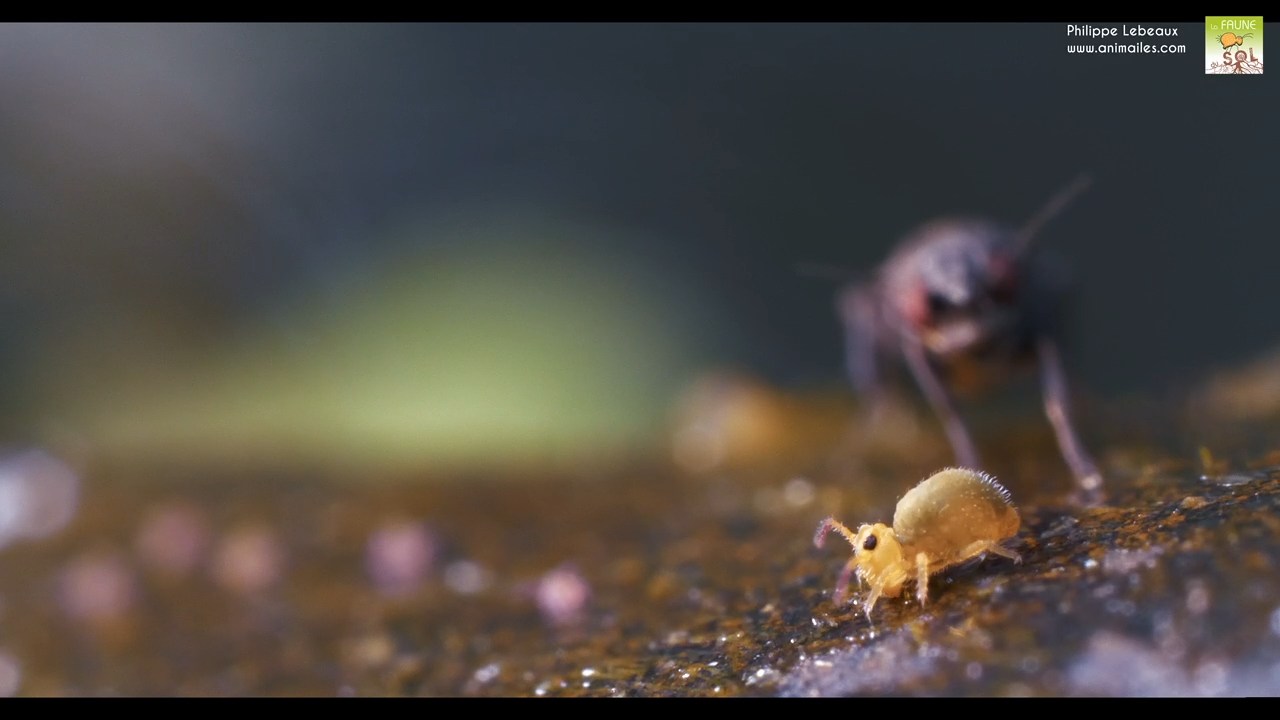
{"x": 1119, "y": 666}
{"x": 173, "y": 538}
{"x": 1167, "y": 635}
{"x": 10, "y": 675}
{"x": 398, "y": 557}
{"x": 38, "y": 496}
{"x": 562, "y": 595}
{"x": 1120, "y": 561}
{"x": 97, "y": 587}
{"x": 467, "y": 578}
{"x": 875, "y": 669}
{"x": 697, "y": 449}
{"x": 798, "y": 492}
{"x": 1116, "y": 665}
{"x": 487, "y": 673}
{"x": 1198, "y": 597}
{"x": 725, "y": 418}
{"x": 1211, "y": 678}
{"x": 248, "y": 560}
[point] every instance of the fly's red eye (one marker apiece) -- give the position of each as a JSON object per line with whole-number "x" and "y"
{"x": 917, "y": 306}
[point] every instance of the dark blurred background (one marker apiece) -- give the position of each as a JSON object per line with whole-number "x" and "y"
{"x": 474, "y": 241}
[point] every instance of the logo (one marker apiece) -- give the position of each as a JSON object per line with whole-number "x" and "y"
{"x": 1233, "y": 45}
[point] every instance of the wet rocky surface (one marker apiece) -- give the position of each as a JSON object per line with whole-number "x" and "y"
{"x": 653, "y": 579}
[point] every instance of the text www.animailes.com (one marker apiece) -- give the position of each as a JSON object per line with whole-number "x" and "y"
{"x": 1127, "y": 49}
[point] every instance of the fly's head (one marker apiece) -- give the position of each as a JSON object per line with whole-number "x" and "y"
{"x": 957, "y": 286}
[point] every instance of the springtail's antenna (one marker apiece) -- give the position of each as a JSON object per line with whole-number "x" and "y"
{"x": 1055, "y": 205}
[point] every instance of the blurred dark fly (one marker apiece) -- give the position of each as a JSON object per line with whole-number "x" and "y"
{"x": 963, "y": 302}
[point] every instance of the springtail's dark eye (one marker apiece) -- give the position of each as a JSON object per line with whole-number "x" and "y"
{"x": 937, "y": 304}
{"x": 869, "y": 543}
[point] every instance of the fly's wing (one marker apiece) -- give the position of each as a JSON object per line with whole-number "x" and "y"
{"x": 952, "y": 509}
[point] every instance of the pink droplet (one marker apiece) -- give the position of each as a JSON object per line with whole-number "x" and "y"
{"x": 248, "y": 560}
{"x": 173, "y": 538}
{"x": 562, "y": 595}
{"x": 398, "y": 556}
{"x": 97, "y": 587}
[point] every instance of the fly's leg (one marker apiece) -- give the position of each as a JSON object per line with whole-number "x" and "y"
{"x": 940, "y": 399}
{"x": 1057, "y": 408}
{"x": 857, "y": 308}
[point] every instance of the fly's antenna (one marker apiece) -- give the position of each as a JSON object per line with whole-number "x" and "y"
{"x": 825, "y": 271}
{"x": 1055, "y": 205}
